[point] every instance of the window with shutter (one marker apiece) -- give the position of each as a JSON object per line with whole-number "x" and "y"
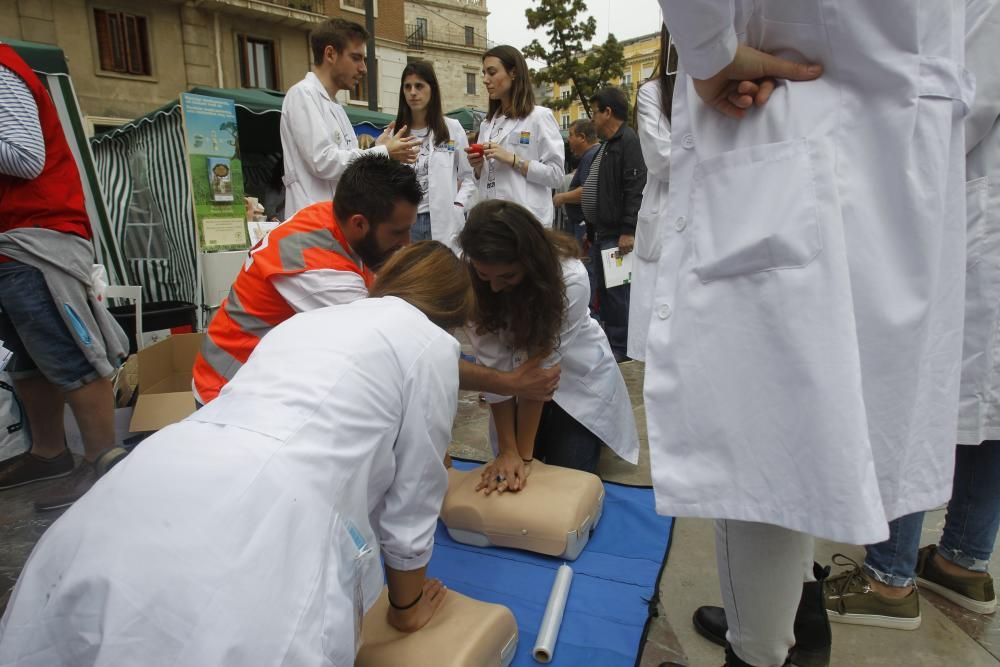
{"x": 122, "y": 42}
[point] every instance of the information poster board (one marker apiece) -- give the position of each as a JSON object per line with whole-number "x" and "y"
{"x": 215, "y": 172}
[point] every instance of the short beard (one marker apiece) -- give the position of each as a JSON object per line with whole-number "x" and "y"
{"x": 367, "y": 248}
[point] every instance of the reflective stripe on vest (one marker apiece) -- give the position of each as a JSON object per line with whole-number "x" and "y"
{"x": 291, "y": 249}
{"x": 311, "y": 240}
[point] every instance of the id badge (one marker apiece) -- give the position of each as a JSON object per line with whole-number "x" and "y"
{"x": 362, "y": 549}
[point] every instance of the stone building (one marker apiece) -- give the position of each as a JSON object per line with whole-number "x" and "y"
{"x": 128, "y": 58}
{"x": 640, "y": 60}
{"x": 452, "y": 35}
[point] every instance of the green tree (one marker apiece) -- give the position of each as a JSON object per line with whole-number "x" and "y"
{"x": 566, "y": 59}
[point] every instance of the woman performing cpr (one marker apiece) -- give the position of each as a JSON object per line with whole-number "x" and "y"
{"x": 532, "y": 297}
{"x": 250, "y": 533}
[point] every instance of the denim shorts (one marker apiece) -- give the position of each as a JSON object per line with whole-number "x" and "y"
{"x": 32, "y": 328}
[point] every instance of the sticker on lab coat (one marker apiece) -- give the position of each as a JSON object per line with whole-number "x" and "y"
{"x": 361, "y": 545}
{"x": 525, "y": 138}
{"x": 451, "y": 145}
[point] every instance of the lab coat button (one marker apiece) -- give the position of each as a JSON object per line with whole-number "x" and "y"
{"x": 688, "y": 141}
{"x": 681, "y": 224}
{"x": 663, "y": 311}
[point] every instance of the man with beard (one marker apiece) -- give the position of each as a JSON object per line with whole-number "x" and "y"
{"x": 317, "y": 138}
{"x": 325, "y": 255}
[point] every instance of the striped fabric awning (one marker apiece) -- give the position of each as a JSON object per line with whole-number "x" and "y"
{"x": 159, "y": 145}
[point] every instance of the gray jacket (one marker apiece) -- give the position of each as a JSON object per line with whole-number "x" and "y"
{"x": 66, "y": 260}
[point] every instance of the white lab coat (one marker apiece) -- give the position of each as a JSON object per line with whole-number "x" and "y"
{"x": 979, "y": 413}
{"x": 318, "y": 142}
{"x": 591, "y": 387}
{"x": 450, "y": 181}
{"x": 535, "y": 137}
{"x": 651, "y": 230}
{"x": 226, "y": 539}
{"x": 804, "y": 352}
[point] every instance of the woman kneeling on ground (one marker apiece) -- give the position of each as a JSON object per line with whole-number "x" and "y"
{"x": 250, "y": 533}
{"x": 532, "y": 298}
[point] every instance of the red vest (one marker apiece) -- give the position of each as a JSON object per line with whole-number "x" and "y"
{"x": 309, "y": 240}
{"x": 53, "y": 200}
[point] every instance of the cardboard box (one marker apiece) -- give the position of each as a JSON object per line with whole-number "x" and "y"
{"x": 165, "y": 382}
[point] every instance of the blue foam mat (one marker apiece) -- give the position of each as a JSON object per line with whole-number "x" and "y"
{"x": 613, "y": 581}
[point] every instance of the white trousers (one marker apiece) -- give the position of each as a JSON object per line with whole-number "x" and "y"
{"x": 761, "y": 570}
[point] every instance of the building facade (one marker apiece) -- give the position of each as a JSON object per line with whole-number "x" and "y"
{"x": 452, "y": 35}
{"x": 127, "y": 58}
{"x": 641, "y": 54}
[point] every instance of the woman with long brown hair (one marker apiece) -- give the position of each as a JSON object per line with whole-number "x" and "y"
{"x": 520, "y": 155}
{"x": 251, "y": 532}
{"x": 532, "y": 299}
{"x": 442, "y": 166}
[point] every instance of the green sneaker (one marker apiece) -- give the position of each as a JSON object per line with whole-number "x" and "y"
{"x": 972, "y": 592}
{"x": 851, "y": 599}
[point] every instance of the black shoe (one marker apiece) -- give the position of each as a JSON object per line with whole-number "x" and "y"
{"x": 812, "y": 626}
{"x": 27, "y": 468}
{"x": 621, "y": 357}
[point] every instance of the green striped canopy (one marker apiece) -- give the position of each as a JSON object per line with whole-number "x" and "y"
{"x": 157, "y": 141}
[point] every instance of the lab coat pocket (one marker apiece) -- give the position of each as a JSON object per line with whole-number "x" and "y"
{"x": 755, "y": 209}
{"x": 944, "y": 95}
{"x": 354, "y": 581}
{"x": 648, "y": 241}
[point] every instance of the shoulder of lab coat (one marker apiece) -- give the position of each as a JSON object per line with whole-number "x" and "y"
{"x": 654, "y": 131}
{"x": 703, "y": 32}
{"x": 577, "y": 285}
{"x": 302, "y": 113}
{"x": 310, "y": 290}
{"x": 982, "y": 36}
{"x": 548, "y": 169}
{"x": 463, "y": 170}
{"x": 407, "y": 517}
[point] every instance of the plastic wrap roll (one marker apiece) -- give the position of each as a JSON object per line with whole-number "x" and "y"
{"x": 548, "y": 632}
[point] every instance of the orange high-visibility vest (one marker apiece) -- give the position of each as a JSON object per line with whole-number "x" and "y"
{"x": 308, "y": 241}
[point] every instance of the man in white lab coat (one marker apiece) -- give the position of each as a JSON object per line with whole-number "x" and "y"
{"x": 317, "y": 138}
{"x": 805, "y": 348}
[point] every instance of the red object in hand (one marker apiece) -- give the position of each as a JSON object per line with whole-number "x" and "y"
{"x": 476, "y": 148}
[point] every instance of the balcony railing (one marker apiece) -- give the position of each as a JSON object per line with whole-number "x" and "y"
{"x": 418, "y": 35}
{"x": 313, "y": 6}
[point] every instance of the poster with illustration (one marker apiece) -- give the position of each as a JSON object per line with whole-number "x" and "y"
{"x": 215, "y": 172}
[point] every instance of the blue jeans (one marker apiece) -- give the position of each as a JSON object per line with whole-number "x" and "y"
{"x": 563, "y": 441}
{"x": 612, "y": 304}
{"x": 32, "y": 327}
{"x": 421, "y": 229}
{"x": 970, "y": 527}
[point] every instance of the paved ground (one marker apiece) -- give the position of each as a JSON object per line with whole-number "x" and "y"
{"x": 949, "y": 636}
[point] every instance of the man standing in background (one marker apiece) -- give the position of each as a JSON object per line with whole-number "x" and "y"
{"x": 610, "y": 200}
{"x": 584, "y": 146}
{"x": 317, "y": 137}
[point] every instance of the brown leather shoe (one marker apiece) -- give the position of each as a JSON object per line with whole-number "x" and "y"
{"x": 28, "y": 468}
